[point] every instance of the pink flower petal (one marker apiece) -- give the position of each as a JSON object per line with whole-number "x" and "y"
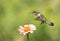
{"x": 32, "y": 27}
{"x": 21, "y": 27}
{"x": 20, "y": 30}
{"x": 24, "y": 33}
{"x": 25, "y": 25}
{"x": 31, "y": 31}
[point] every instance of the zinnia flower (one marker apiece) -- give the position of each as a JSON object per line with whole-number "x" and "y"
{"x": 27, "y": 29}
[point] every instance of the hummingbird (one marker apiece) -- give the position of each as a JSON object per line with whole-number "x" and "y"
{"x": 43, "y": 19}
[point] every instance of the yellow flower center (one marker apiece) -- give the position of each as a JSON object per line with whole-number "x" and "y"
{"x": 27, "y": 28}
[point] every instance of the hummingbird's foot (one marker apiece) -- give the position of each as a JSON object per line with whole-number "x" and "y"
{"x": 42, "y": 22}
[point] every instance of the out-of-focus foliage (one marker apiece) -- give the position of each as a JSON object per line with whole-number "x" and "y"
{"x": 14, "y": 13}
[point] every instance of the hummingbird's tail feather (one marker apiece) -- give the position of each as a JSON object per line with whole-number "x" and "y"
{"x": 49, "y": 23}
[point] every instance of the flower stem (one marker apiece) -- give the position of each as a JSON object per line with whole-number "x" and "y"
{"x": 28, "y": 37}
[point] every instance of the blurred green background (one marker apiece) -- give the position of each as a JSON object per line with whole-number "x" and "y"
{"x": 14, "y": 13}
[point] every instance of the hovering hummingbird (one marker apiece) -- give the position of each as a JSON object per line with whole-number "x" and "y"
{"x": 41, "y": 18}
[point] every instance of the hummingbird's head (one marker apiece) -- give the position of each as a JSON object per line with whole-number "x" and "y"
{"x": 35, "y": 12}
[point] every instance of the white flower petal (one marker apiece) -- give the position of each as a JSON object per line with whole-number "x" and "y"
{"x": 21, "y": 27}
{"x": 21, "y": 31}
{"x": 24, "y": 33}
{"x": 25, "y": 25}
{"x": 31, "y": 31}
{"x": 32, "y": 27}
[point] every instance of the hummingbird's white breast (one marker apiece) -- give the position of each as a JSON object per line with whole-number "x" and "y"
{"x": 38, "y": 15}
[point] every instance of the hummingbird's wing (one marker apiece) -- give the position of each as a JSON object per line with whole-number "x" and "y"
{"x": 39, "y": 18}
